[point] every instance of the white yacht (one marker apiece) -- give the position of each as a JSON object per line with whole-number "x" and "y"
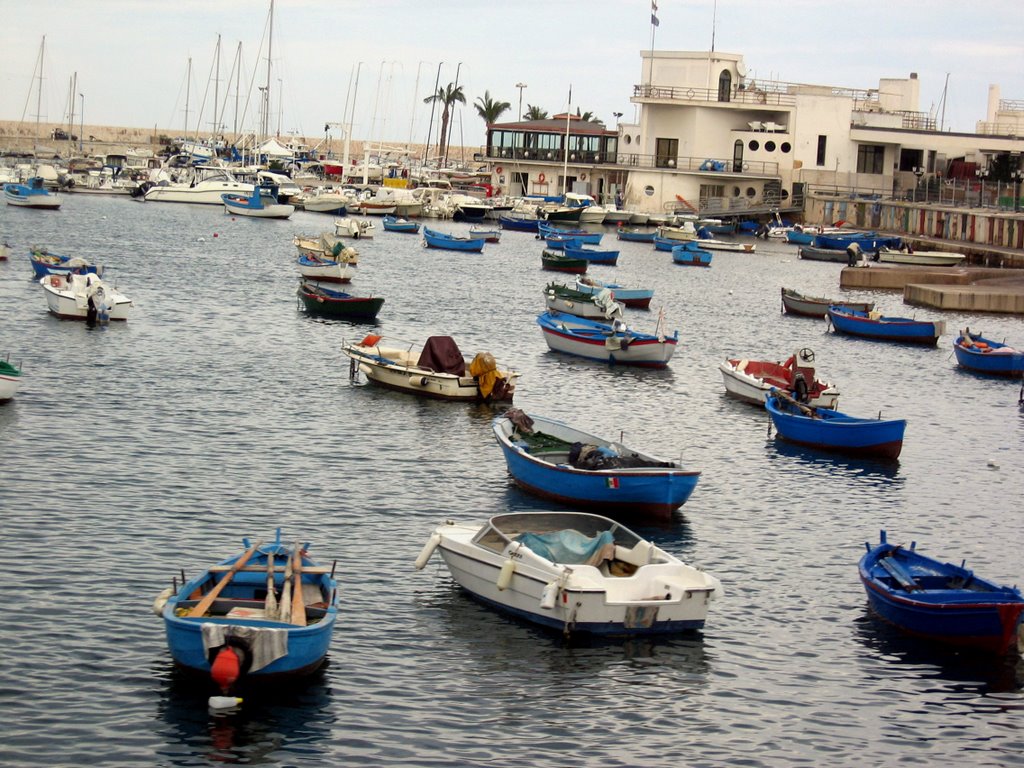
{"x": 202, "y": 184}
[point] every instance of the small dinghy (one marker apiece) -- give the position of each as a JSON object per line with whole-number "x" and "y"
{"x": 84, "y": 297}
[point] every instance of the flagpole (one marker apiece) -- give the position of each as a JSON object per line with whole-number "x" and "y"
{"x": 654, "y": 26}
{"x": 565, "y": 162}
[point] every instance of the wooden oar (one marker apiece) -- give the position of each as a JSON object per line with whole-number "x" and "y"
{"x": 286, "y": 593}
{"x": 204, "y": 605}
{"x": 298, "y": 602}
{"x": 270, "y": 608}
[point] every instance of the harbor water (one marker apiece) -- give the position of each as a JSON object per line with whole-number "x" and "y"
{"x": 221, "y": 410}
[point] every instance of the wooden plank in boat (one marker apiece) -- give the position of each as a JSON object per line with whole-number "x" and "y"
{"x": 277, "y": 568}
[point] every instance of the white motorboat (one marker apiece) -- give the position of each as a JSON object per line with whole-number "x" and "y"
{"x": 261, "y": 203}
{"x": 574, "y": 572}
{"x": 354, "y": 228}
{"x": 616, "y": 217}
{"x": 438, "y": 370}
{"x": 711, "y": 244}
{"x": 84, "y": 297}
{"x": 752, "y": 380}
{"x": 683, "y": 231}
{"x": 326, "y": 201}
{"x": 203, "y": 184}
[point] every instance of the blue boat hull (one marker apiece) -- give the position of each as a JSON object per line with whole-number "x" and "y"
{"x": 517, "y": 224}
{"x": 830, "y": 430}
{"x": 636, "y": 237}
{"x": 594, "y": 257}
{"x": 991, "y": 359}
{"x": 689, "y": 256}
{"x": 940, "y": 601}
{"x": 438, "y": 240}
{"x": 901, "y": 329}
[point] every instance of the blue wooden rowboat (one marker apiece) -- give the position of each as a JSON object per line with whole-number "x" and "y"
{"x": 976, "y": 353}
{"x": 868, "y": 241}
{"x": 519, "y": 223}
{"x": 874, "y": 325}
{"x": 799, "y": 237}
{"x": 664, "y": 243}
{"x": 550, "y": 459}
{"x": 616, "y": 344}
{"x": 267, "y": 612}
{"x": 940, "y": 601}
{"x": 261, "y": 203}
{"x": 691, "y": 255}
{"x": 636, "y": 235}
{"x": 45, "y": 263}
{"x": 831, "y": 430}
{"x": 434, "y": 239}
{"x": 549, "y": 232}
{"x": 395, "y": 224}
{"x": 637, "y": 298}
{"x": 578, "y": 251}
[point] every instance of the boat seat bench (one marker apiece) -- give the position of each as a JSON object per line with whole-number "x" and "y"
{"x": 899, "y": 573}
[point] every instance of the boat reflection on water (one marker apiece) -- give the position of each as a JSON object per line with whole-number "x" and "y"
{"x": 910, "y": 658}
{"x": 833, "y": 463}
{"x": 271, "y": 719}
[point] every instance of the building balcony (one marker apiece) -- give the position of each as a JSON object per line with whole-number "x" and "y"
{"x": 752, "y": 96}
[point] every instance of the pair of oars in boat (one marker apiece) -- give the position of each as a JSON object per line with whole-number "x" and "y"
{"x": 293, "y": 604}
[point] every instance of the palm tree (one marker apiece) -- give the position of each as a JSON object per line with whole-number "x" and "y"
{"x": 446, "y": 95}
{"x": 535, "y": 113}
{"x": 588, "y": 117}
{"x": 489, "y": 109}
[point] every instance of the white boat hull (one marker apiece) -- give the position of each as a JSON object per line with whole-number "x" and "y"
{"x": 666, "y": 595}
{"x": 753, "y": 390}
{"x": 922, "y": 258}
{"x": 71, "y": 301}
{"x": 203, "y": 193}
{"x": 332, "y": 273}
{"x": 8, "y": 386}
{"x": 47, "y": 202}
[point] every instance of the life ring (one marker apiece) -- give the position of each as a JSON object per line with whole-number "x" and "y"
{"x": 689, "y": 93}
{"x": 54, "y": 281}
{"x": 541, "y": 178}
{"x": 583, "y": 177}
{"x": 498, "y": 170}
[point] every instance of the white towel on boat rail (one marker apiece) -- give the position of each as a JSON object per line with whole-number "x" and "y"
{"x": 267, "y": 644}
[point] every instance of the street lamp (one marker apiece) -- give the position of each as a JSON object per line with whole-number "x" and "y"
{"x": 1017, "y": 177}
{"x": 918, "y": 172}
{"x": 81, "y": 125}
{"x": 982, "y": 174}
{"x": 520, "y": 86}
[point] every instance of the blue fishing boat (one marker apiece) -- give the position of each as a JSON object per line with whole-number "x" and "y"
{"x": 637, "y": 298}
{"x": 635, "y": 235}
{"x": 868, "y": 241}
{"x": 31, "y": 194}
{"x": 550, "y": 459}
{"x": 976, "y": 353}
{"x": 831, "y": 430}
{"x": 691, "y": 255}
{"x": 267, "y": 612}
{"x": 519, "y": 223}
{"x": 434, "y": 239}
{"x": 549, "y": 232}
{"x": 577, "y": 250}
{"x": 616, "y": 344}
{"x": 874, "y": 325}
{"x": 800, "y": 237}
{"x": 261, "y": 203}
{"x": 939, "y": 601}
{"x": 664, "y": 243}
{"x": 395, "y": 224}
{"x": 45, "y": 263}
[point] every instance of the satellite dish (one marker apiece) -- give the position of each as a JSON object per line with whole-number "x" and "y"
{"x": 741, "y": 69}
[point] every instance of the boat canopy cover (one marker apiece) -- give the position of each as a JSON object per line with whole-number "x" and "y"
{"x": 442, "y": 354}
{"x": 570, "y": 546}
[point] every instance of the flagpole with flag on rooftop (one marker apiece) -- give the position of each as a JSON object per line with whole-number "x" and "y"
{"x": 654, "y": 26}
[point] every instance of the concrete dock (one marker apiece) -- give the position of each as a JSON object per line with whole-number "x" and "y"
{"x": 967, "y": 289}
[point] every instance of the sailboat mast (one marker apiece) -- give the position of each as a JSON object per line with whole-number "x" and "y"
{"x": 412, "y": 119}
{"x": 39, "y": 93}
{"x": 942, "y": 119}
{"x": 216, "y": 89}
{"x": 266, "y": 90}
{"x": 238, "y": 86}
{"x": 188, "y": 88}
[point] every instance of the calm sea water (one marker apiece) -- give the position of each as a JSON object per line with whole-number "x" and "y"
{"x": 220, "y": 410}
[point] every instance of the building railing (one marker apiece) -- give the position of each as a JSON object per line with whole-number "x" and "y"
{"x": 754, "y": 96}
{"x": 1011, "y": 105}
{"x": 629, "y": 160}
{"x": 998, "y": 129}
{"x": 1001, "y": 195}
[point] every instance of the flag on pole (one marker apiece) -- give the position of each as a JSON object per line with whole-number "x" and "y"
{"x": 654, "y": 13}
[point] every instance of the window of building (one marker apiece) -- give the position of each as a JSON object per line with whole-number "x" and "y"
{"x": 753, "y": 146}
{"x": 737, "y": 156}
{"x": 785, "y": 147}
{"x": 821, "y": 151}
{"x": 666, "y": 151}
{"x": 751, "y": 191}
{"x": 724, "y": 85}
{"x": 769, "y": 146}
{"x": 870, "y": 158}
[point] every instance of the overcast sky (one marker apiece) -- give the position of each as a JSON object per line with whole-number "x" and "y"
{"x": 132, "y": 56}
